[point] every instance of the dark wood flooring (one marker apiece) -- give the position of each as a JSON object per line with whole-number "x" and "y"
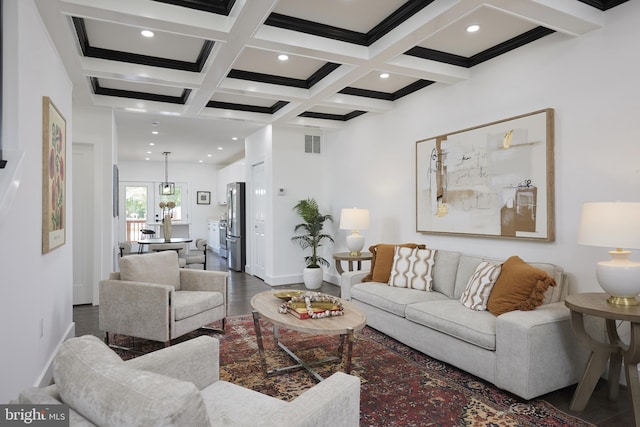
{"x": 242, "y": 287}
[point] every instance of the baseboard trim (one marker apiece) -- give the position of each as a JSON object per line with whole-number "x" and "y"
{"x": 46, "y": 376}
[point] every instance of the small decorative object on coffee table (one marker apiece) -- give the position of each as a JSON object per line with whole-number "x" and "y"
{"x": 267, "y": 305}
{"x": 312, "y": 305}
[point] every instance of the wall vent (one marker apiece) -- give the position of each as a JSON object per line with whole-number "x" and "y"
{"x": 312, "y": 144}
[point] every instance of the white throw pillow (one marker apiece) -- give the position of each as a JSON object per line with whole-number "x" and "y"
{"x": 476, "y": 293}
{"x": 412, "y": 268}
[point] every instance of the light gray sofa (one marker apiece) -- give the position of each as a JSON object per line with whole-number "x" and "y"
{"x": 528, "y": 353}
{"x": 180, "y": 386}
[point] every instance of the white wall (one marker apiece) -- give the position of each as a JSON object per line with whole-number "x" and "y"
{"x": 35, "y": 288}
{"x": 200, "y": 177}
{"x": 591, "y": 82}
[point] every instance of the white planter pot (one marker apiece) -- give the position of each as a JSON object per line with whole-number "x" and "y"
{"x": 312, "y": 278}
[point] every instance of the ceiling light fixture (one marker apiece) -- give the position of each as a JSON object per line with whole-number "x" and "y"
{"x": 155, "y": 132}
{"x": 152, "y": 143}
{"x": 219, "y": 148}
{"x": 384, "y": 75}
{"x": 234, "y": 138}
{"x": 167, "y": 188}
{"x": 147, "y": 33}
{"x": 283, "y": 57}
{"x": 473, "y": 28}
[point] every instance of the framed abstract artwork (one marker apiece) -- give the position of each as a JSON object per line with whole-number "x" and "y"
{"x": 54, "y": 198}
{"x": 493, "y": 180}
{"x": 204, "y": 197}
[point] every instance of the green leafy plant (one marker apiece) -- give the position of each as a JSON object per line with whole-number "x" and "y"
{"x": 312, "y": 235}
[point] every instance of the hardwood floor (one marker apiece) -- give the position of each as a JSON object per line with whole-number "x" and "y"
{"x": 242, "y": 287}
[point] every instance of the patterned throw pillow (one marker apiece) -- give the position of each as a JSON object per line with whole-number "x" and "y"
{"x": 476, "y": 294}
{"x": 412, "y": 268}
{"x": 382, "y": 261}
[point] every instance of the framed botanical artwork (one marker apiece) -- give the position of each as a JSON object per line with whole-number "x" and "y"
{"x": 493, "y": 180}
{"x": 54, "y": 198}
{"x": 204, "y": 197}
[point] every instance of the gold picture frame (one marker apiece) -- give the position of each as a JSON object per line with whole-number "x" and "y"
{"x": 54, "y": 169}
{"x": 493, "y": 180}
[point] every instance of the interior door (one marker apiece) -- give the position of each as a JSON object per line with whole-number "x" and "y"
{"x": 83, "y": 223}
{"x": 259, "y": 198}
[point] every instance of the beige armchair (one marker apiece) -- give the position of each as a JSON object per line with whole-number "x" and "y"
{"x": 180, "y": 386}
{"x": 196, "y": 257}
{"x": 152, "y": 298}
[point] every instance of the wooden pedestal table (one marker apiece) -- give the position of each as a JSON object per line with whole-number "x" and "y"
{"x": 265, "y": 305}
{"x": 595, "y": 304}
{"x": 346, "y": 256}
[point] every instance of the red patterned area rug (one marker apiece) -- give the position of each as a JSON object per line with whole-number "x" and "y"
{"x": 400, "y": 386}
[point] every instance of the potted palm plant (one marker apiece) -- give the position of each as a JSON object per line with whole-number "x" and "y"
{"x": 311, "y": 237}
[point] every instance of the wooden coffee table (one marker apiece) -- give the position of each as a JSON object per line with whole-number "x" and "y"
{"x": 265, "y": 305}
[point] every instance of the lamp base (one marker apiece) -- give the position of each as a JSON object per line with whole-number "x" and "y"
{"x": 627, "y": 301}
{"x": 355, "y": 243}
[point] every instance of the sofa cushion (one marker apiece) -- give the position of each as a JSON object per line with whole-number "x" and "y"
{"x": 160, "y": 268}
{"x": 190, "y": 303}
{"x": 520, "y": 286}
{"x": 94, "y": 381}
{"x": 388, "y": 298}
{"x": 452, "y": 318}
{"x": 382, "y": 261}
{"x": 445, "y": 271}
{"x": 412, "y": 268}
{"x": 476, "y": 294}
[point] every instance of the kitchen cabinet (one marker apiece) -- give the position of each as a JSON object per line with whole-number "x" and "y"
{"x": 214, "y": 236}
{"x": 235, "y": 172}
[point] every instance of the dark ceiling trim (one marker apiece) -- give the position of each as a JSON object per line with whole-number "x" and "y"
{"x": 392, "y": 21}
{"x": 134, "y": 58}
{"x": 316, "y": 29}
{"x": 245, "y": 107}
{"x": 267, "y": 78}
{"x": 221, "y": 7}
{"x": 404, "y": 12}
{"x": 336, "y": 117}
{"x": 320, "y": 74}
{"x": 386, "y": 96}
{"x": 603, "y": 4}
{"x": 131, "y": 94}
{"x": 492, "y": 52}
{"x": 511, "y": 44}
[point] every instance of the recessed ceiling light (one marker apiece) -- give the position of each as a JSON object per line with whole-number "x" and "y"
{"x": 147, "y": 33}
{"x": 149, "y": 152}
{"x": 473, "y": 28}
{"x": 200, "y": 161}
{"x": 235, "y": 138}
{"x": 147, "y": 158}
{"x": 152, "y": 143}
{"x": 384, "y": 75}
{"x": 283, "y": 57}
{"x": 219, "y": 148}
{"x": 155, "y": 132}
{"x": 209, "y": 155}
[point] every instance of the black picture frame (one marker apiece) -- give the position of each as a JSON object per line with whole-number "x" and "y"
{"x": 203, "y": 197}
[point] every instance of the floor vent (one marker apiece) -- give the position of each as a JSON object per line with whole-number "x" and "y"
{"x": 312, "y": 144}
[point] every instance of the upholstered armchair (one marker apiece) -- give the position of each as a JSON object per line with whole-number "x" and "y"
{"x": 197, "y": 256}
{"x": 180, "y": 386}
{"x": 152, "y": 298}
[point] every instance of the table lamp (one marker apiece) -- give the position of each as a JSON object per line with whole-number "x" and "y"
{"x": 354, "y": 220}
{"x": 614, "y": 225}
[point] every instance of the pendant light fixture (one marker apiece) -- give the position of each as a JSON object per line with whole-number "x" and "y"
{"x": 167, "y": 188}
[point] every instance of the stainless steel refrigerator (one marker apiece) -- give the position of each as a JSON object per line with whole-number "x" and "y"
{"x": 236, "y": 226}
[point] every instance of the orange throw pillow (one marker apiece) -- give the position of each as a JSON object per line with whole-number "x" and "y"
{"x": 382, "y": 261}
{"x": 518, "y": 287}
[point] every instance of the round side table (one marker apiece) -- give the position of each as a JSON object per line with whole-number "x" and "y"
{"x": 346, "y": 256}
{"x": 615, "y": 351}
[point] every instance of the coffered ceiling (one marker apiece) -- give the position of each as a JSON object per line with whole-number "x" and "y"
{"x": 211, "y": 71}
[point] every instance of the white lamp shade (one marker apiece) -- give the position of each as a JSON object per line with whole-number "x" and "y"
{"x": 354, "y": 219}
{"x": 610, "y": 225}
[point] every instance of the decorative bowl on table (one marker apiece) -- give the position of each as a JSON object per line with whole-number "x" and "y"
{"x": 287, "y": 295}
